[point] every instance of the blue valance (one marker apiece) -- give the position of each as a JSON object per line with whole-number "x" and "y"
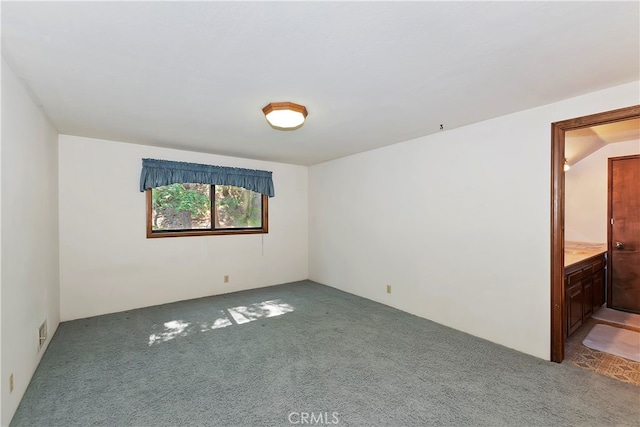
{"x": 156, "y": 173}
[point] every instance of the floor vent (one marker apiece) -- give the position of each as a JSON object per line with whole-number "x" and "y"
{"x": 42, "y": 334}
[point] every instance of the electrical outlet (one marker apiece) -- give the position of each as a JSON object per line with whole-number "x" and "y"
{"x": 11, "y": 383}
{"x": 226, "y": 278}
{"x": 388, "y": 289}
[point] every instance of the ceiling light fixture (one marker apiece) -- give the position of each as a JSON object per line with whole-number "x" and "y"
{"x": 566, "y": 165}
{"x": 285, "y": 115}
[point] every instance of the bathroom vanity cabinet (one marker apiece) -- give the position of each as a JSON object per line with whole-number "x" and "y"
{"x": 584, "y": 290}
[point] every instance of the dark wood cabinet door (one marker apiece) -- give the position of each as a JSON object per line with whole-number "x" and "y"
{"x": 584, "y": 291}
{"x": 598, "y": 290}
{"x": 574, "y": 307}
{"x": 587, "y": 297}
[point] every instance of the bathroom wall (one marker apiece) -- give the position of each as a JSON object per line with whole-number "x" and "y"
{"x": 586, "y": 193}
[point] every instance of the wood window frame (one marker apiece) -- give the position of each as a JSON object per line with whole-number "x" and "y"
{"x": 558, "y": 130}
{"x": 151, "y": 234}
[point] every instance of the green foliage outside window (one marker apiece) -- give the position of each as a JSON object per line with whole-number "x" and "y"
{"x": 237, "y": 207}
{"x": 182, "y": 197}
{"x": 188, "y": 206}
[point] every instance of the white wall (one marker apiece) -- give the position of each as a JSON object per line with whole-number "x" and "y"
{"x": 585, "y": 215}
{"x": 457, "y": 222}
{"x": 106, "y": 262}
{"x": 2, "y": 375}
{"x": 29, "y": 254}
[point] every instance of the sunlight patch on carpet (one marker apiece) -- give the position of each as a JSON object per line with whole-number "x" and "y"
{"x": 245, "y": 314}
{"x": 232, "y": 316}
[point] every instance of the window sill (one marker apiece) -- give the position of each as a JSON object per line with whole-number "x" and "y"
{"x": 158, "y": 234}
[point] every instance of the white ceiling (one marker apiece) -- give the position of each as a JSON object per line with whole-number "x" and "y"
{"x": 580, "y": 143}
{"x": 195, "y": 75}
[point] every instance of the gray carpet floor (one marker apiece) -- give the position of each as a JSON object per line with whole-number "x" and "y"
{"x": 269, "y": 356}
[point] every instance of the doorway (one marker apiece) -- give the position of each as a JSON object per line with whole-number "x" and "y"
{"x": 558, "y": 130}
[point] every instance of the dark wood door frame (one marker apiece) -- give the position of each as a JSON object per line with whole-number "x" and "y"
{"x": 558, "y": 130}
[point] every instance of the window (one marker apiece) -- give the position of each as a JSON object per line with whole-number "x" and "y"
{"x": 203, "y": 209}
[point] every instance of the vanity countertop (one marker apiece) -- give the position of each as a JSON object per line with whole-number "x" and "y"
{"x": 575, "y": 252}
